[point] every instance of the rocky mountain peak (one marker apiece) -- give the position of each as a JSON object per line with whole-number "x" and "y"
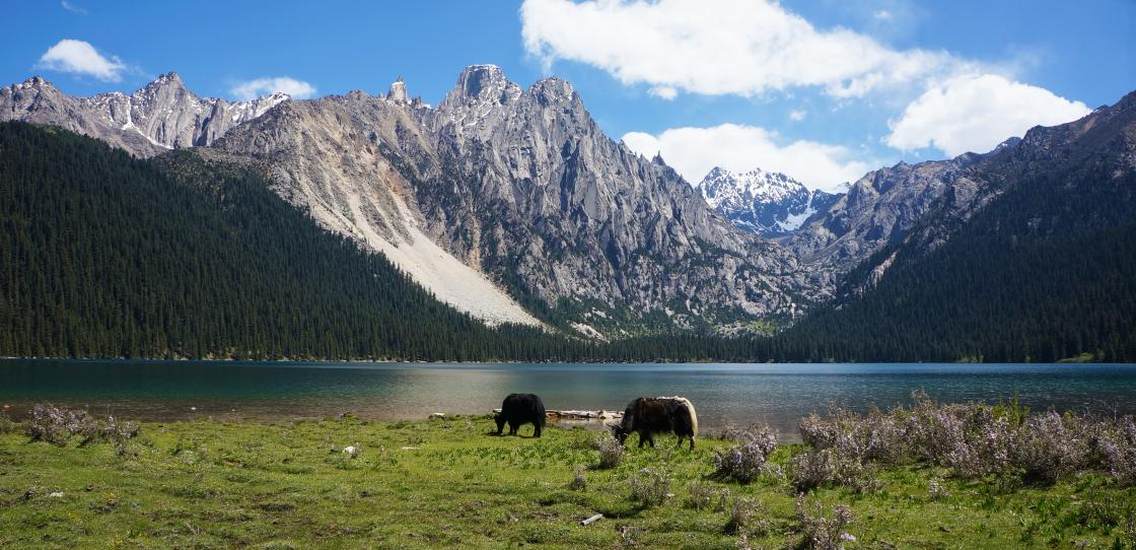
{"x": 760, "y": 201}
{"x": 164, "y": 114}
{"x": 397, "y": 91}
{"x": 553, "y": 90}
{"x": 485, "y": 83}
{"x": 35, "y": 82}
{"x": 170, "y": 81}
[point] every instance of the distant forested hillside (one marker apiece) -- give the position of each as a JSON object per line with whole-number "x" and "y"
{"x": 1046, "y": 271}
{"x": 107, "y": 255}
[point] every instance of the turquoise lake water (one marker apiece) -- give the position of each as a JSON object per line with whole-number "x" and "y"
{"x": 737, "y": 394}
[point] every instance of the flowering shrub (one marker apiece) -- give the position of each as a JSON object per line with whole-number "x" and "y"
{"x": 611, "y": 450}
{"x": 57, "y": 426}
{"x": 579, "y": 480}
{"x": 650, "y": 487}
{"x": 747, "y": 515}
{"x": 703, "y": 496}
{"x": 744, "y": 463}
{"x": 973, "y": 440}
{"x": 1051, "y": 446}
{"x": 936, "y": 490}
{"x": 827, "y": 467}
{"x": 1117, "y": 448}
{"x": 820, "y": 531}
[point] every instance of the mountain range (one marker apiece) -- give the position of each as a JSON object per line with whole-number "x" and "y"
{"x": 512, "y": 206}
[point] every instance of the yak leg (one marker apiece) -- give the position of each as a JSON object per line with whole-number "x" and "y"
{"x": 513, "y": 428}
{"x": 691, "y": 442}
{"x": 536, "y": 429}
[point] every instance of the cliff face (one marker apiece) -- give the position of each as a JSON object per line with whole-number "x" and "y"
{"x": 523, "y": 188}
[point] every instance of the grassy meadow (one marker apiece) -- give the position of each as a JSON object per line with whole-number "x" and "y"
{"x": 448, "y": 483}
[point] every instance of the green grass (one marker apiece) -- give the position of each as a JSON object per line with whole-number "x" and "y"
{"x": 446, "y": 483}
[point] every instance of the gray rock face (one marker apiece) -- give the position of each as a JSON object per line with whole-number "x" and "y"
{"x": 160, "y": 116}
{"x": 766, "y": 203}
{"x": 523, "y": 186}
{"x": 920, "y": 206}
{"x": 882, "y": 207}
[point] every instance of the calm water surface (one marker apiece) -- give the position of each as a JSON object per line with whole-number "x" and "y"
{"x": 777, "y": 394}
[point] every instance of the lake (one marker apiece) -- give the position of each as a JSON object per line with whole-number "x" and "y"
{"x": 737, "y": 394}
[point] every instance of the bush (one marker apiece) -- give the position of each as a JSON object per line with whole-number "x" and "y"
{"x": 610, "y": 449}
{"x": 1051, "y": 446}
{"x": 702, "y": 496}
{"x": 1116, "y": 446}
{"x": 875, "y": 436}
{"x": 827, "y": 467}
{"x": 936, "y": 490}
{"x": 579, "y": 480}
{"x": 7, "y": 425}
{"x": 650, "y": 487}
{"x": 57, "y": 426}
{"x": 747, "y": 515}
{"x": 745, "y": 462}
{"x": 973, "y": 440}
{"x": 820, "y": 531}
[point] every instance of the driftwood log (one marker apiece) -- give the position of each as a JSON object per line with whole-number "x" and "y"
{"x": 591, "y": 520}
{"x": 580, "y": 415}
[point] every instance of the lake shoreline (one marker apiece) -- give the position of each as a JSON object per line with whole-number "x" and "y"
{"x": 724, "y": 394}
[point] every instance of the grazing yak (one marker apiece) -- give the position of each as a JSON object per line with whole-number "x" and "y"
{"x": 519, "y": 409}
{"x": 650, "y": 415}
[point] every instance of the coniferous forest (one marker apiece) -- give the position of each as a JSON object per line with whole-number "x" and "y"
{"x": 105, "y": 255}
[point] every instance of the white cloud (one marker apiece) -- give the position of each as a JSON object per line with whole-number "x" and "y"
{"x": 977, "y": 112}
{"x": 79, "y": 57}
{"x": 72, "y": 7}
{"x": 694, "y": 151}
{"x": 666, "y": 92}
{"x": 251, "y": 89}
{"x": 797, "y": 115}
{"x": 883, "y": 15}
{"x": 742, "y": 47}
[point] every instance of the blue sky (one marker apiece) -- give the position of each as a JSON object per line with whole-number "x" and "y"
{"x": 820, "y": 89}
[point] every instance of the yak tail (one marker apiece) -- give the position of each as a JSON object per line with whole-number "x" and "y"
{"x": 690, "y": 408}
{"x": 693, "y": 415}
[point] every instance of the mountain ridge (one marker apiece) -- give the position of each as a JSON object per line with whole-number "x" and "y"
{"x": 766, "y": 203}
{"x": 162, "y": 115}
{"x": 512, "y": 205}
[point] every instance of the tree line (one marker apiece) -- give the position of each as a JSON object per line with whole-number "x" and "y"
{"x": 105, "y": 255}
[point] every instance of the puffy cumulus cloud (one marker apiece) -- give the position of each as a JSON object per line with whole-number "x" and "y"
{"x": 798, "y": 115}
{"x": 79, "y": 57}
{"x": 976, "y": 113}
{"x": 694, "y": 151}
{"x": 251, "y": 89}
{"x": 742, "y": 47}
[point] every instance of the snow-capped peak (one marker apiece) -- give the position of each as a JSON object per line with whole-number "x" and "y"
{"x": 763, "y": 202}
{"x": 723, "y": 186}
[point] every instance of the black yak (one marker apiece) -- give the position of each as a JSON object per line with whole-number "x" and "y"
{"x": 519, "y": 409}
{"x": 650, "y": 415}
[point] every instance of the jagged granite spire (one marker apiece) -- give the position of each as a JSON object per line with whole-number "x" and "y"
{"x": 164, "y": 114}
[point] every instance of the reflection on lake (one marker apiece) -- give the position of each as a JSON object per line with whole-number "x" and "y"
{"x": 777, "y": 394}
